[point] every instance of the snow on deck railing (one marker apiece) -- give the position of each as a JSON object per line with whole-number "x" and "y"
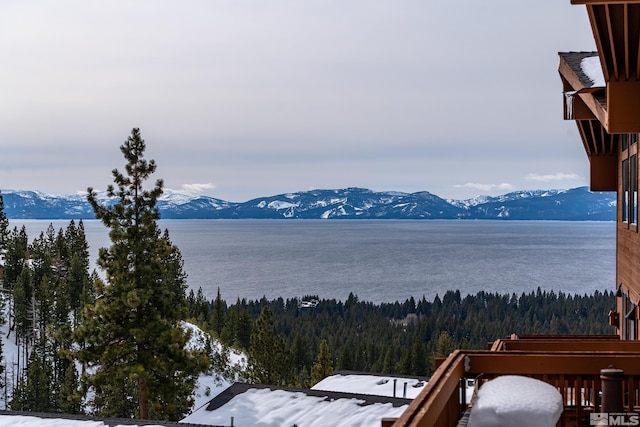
{"x": 516, "y": 400}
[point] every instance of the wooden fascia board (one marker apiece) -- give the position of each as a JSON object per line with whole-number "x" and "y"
{"x": 552, "y": 363}
{"x": 584, "y": 93}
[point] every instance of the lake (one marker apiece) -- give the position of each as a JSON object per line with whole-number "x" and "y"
{"x": 381, "y": 260}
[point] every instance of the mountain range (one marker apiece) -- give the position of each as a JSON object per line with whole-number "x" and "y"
{"x": 576, "y": 204}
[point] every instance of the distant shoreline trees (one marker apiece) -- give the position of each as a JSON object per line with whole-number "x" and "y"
{"x": 400, "y": 338}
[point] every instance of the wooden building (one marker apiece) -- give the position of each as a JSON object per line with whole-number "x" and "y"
{"x": 601, "y": 93}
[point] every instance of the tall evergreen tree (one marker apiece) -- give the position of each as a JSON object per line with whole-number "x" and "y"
{"x": 323, "y": 366}
{"x": 16, "y": 255}
{"x": 4, "y": 226}
{"x": 70, "y": 398}
{"x": 132, "y": 333}
{"x": 219, "y": 314}
{"x": 419, "y": 362}
{"x": 23, "y": 307}
{"x": 78, "y": 266}
{"x": 4, "y": 236}
{"x": 266, "y": 355}
{"x": 34, "y": 391}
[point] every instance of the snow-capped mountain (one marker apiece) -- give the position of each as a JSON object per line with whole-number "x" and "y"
{"x": 574, "y": 204}
{"x": 349, "y": 203}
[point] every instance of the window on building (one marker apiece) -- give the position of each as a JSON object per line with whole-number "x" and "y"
{"x": 633, "y": 138}
{"x": 625, "y": 191}
{"x": 630, "y": 319}
{"x": 633, "y": 325}
{"x": 633, "y": 189}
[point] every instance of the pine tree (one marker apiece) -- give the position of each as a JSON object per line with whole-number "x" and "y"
{"x": 78, "y": 267}
{"x": 70, "y": 398}
{"x": 4, "y": 236}
{"x": 219, "y": 315}
{"x": 4, "y": 226}
{"x": 244, "y": 330}
{"x": 389, "y": 363}
{"x": 266, "y": 355}
{"x": 345, "y": 361}
{"x": 419, "y": 362}
{"x": 132, "y": 333}
{"x": 444, "y": 345}
{"x": 23, "y": 307}
{"x": 16, "y": 256}
{"x": 238, "y": 327}
{"x": 35, "y": 392}
{"x": 323, "y": 366}
{"x": 299, "y": 353}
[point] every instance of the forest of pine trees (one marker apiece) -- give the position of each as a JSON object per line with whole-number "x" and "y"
{"x": 392, "y": 338}
{"x": 92, "y": 345}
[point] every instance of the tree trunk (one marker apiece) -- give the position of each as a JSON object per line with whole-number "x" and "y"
{"x": 143, "y": 401}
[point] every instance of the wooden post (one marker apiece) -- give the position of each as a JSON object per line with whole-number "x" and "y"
{"x": 611, "y": 385}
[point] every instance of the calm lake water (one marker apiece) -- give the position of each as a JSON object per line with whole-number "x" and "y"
{"x": 382, "y": 260}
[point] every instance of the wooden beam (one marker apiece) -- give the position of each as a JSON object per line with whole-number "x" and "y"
{"x": 627, "y": 59}
{"x": 612, "y": 44}
{"x": 570, "y": 363}
{"x": 592, "y": 11}
{"x": 571, "y": 345}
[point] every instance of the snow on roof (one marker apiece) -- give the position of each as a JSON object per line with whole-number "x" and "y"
{"x": 275, "y": 406}
{"x": 516, "y": 401}
{"x": 12, "y": 420}
{"x": 591, "y": 68}
{"x": 374, "y": 384}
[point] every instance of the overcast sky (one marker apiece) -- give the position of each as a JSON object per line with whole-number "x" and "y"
{"x": 239, "y": 99}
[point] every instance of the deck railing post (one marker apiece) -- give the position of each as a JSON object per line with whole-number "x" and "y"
{"x": 611, "y": 386}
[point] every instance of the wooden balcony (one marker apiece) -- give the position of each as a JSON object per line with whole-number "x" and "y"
{"x": 572, "y": 364}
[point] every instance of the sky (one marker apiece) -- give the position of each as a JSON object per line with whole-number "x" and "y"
{"x": 238, "y": 99}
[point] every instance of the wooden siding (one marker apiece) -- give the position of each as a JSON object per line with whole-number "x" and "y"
{"x": 627, "y": 242}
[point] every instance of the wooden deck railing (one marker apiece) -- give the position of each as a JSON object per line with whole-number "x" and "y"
{"x": 571, "y": 365}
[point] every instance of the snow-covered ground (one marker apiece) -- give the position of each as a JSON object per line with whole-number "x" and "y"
{"x": 213, "y": 383}
{"x": 209, "y": 384}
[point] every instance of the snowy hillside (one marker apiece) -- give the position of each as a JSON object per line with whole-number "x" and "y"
{"x": 212, "y": 383}
{"x": 209, "y": 384}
